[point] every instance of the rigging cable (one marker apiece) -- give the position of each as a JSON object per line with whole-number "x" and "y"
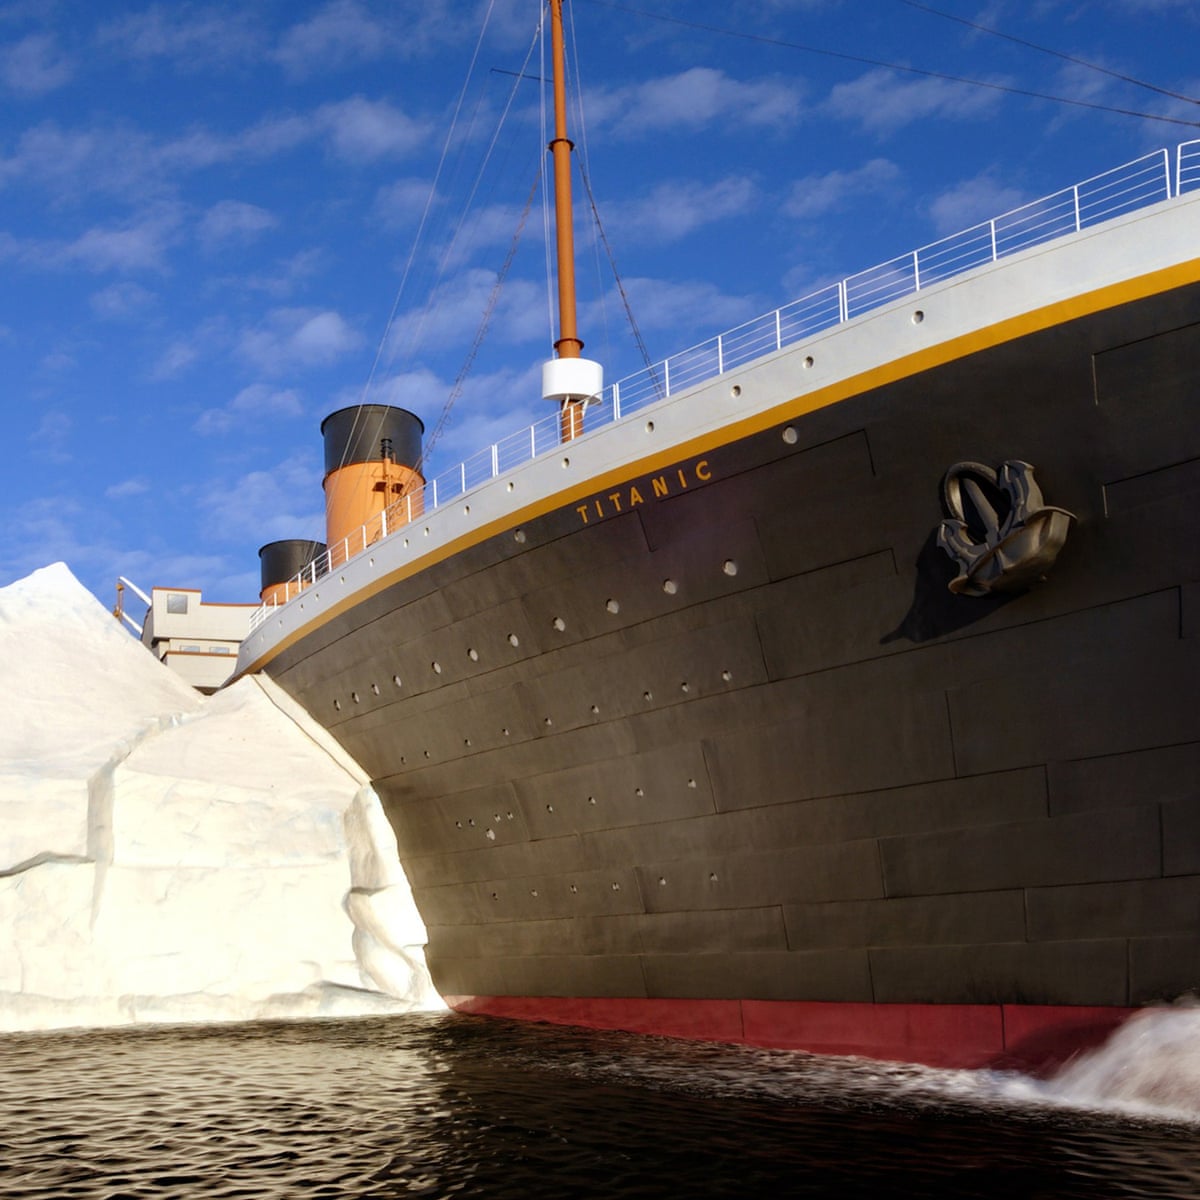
{"x": 385, "y": 339}
{"x": 1071, "y": 58}
{"x": 891, "y": 66}
{"x": 480, "y": 333}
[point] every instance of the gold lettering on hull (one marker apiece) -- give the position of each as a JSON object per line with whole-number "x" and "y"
{"x": 628, "y": 496}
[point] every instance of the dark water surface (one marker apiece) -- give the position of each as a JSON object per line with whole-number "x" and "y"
{"x": 444, "y": 1105}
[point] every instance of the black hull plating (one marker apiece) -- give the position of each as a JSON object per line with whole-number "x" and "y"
{"x": 723, "y": 732}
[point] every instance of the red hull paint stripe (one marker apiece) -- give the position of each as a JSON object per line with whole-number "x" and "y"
{"x": 1024, "y": 1036}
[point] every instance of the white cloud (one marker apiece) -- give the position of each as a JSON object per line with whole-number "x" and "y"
{"x": 120, "y": 300}
{"x": 972, "y": 201}
{"x": 282, "y": 278}
{"x": 51, "y": 440}
{"x": 521, "y": 315}
{"x": 34, "y": 66}
{"x": 342, "y": 32}
{"x": 264, "y": 506}
{"x": 816, "y": 195}
{"x": 126, "y": 489}
{"x": 252, "y": 405}
{"x": 295, "y": 336}
{"x": 139, "y": 244}
{"x": 882, "y": 101}
{"x": 672, "y": 211}
{"x": 402, "y": 203}
{"x": 177, "y": 357}
{"x": 234, "y": 221}
{"x": 361, "y": 129}
{"x": 194, "y": 36}
{"x": 688, "y": 311}
{"x": 693, "y": 99}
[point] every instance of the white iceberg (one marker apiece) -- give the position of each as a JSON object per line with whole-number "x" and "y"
{"x": 166, "y": 856}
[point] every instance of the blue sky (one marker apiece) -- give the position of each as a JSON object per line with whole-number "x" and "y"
{"x": 207, "y": 210}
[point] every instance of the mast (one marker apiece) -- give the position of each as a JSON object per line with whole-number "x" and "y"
{"x": 569, "y": 379}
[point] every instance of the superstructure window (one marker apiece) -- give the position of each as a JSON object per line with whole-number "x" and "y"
{"x": 177, "y": 603}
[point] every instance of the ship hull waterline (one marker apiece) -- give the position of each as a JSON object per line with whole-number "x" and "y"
{"x": 709, "y": 748}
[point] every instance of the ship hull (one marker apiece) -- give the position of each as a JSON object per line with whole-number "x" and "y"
{"x": 709, "y": 747}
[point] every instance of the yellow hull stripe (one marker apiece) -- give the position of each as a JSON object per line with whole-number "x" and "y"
{"x": 1034, "y": 321}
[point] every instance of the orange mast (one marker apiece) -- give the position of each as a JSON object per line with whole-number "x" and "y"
{"x": 569, "y": 379}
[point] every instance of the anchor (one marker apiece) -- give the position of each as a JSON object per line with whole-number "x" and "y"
{"x": 998, "y": 529}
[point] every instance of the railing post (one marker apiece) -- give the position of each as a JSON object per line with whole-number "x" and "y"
{"x": 533, "y": 441}
{"x": 383, "y": 523}
{"x": 1075, "y": 193}
{"x": 616, "y": 389}
{"x": 778, "y": 331}
{"x": 720, "y": 356}
{"x": 495, "y": 459}
{"x": 408, "y": 503}
{"x": 463, "y": 474}
{"x": 843, "y": 303}
{"x": 916, "y": 272}
{"x": 666, "y": 376}
{"x": 434, "y": 483}
{"x": 992, "y": 227}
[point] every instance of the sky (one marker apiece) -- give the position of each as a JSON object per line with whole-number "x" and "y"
{"x": 221, "y": 222}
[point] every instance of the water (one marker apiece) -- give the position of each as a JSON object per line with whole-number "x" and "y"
{"x": 440, "y": 1105}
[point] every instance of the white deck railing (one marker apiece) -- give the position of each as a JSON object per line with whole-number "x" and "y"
{"x": 1124, "y": 189}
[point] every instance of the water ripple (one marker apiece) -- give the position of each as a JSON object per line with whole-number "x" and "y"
{"x": 437, "y": 1105}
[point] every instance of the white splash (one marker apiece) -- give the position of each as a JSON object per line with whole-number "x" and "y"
{"x": 169, "y": 857}
{"x": 1150, "y": 1066}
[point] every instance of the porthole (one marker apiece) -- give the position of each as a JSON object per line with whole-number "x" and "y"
{"x": 729, "y": 567}
{"x": 670, "y": 587}
{"x": 559, "y": 624}
{"x": 790, "y": 436}
{"x": 918, "y": 317}
{"x": 513, "y": 640}
{"x": 735, "y": 391}
{"x": 613, "y": 606}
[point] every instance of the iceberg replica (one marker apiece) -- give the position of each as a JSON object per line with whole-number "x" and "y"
{"x": 170, "y": 857}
